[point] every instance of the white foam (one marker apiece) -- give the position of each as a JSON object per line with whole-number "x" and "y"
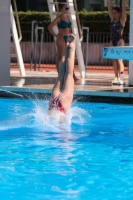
{"x": 38, "y": 118}
{"x": 74, "y": 115}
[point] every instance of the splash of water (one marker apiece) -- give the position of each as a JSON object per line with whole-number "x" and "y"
{"x": 75, "y": 115}
{"x": 37, "y": 117}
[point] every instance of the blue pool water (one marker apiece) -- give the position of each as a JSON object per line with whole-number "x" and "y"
{"x": 90, "y": 157}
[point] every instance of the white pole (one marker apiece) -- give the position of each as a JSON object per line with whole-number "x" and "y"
{"x": 78, "y": 43}
{"x": 53, "y": 15}
{"x": 16, "y": 42}
{"x": 131, "y": 43}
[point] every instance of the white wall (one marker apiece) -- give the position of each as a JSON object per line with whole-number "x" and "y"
{"x": 4, "y": 42}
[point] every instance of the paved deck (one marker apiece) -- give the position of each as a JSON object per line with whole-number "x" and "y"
{"x": 45, "y": 79}
{"x": 95, "y": 84}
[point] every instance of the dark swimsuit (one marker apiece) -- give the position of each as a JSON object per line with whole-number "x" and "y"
{"x": 63, "y": 24}
{"x": 116, "y": 32}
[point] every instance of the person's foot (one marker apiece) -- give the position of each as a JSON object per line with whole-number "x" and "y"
{"x": 115, "y": 81}
{"x": 77, "y": 79}
{"x": 120, "y": 82}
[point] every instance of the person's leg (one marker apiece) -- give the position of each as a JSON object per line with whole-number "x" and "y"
{"x": 60, "y": 88}
{"x": 66, "y": 95}
{"x": 121, "y": 72}
{"x": 116, "y": 71}
{"x": 114, "y": 63}
{"x": 68, "y": 68}
{"x": 61, "y": 76}
{"x": 61, "y": 71}
{"x": 61, "y": 45}
{"x": 120, "y": 64}
{"x": 56, "y": 90}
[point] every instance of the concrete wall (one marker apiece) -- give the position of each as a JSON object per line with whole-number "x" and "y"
{"x": 49, "y": 53}
{"x": 4, "y": 42}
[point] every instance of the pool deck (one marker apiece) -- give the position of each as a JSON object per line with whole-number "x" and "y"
{"x": 96, "y": 84}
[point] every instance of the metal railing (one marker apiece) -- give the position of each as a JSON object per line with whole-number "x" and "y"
{"x": 96, "y": 42}
{"x": 92, "y": 41}
{"x": 34, "y": 43}
{"x": 87, "y": 44}
{"x": 101, "y": 26}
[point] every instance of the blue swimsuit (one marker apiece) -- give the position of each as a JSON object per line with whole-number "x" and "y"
{"x": 63, "y": 24}
{"x": 116, "y": 32}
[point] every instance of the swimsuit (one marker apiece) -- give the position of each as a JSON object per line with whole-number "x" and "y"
{"x": 65, "y": 38}
{"x": 56, "y": 105}
{"x": 116, "y": 32}
{"x": 63, "y": 24}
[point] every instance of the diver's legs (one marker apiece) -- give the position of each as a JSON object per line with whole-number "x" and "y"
{"x": 66, "y": 96}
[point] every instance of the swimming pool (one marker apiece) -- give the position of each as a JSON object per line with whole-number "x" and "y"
{"x": 89, "y": 158}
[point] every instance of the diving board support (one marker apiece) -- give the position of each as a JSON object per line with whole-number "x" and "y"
{"x": 16, "y": 43}
{"x": 78, "y": 43}
{"x": 53, "y": 15}
{"x": 131, "y": 44}
{"x": 5, "y": 42}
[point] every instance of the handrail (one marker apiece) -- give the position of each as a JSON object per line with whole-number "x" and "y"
{"x": 17, "y": 21}
{"x": 78, "y": 21}
{"x": 87, "y": 42}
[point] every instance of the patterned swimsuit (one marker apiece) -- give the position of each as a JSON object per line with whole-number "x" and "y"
{"x": 56, "y": 105}
{"x": 116, "y": 32}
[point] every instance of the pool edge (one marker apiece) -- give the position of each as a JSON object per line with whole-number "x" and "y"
{"x": 85, "y": 94}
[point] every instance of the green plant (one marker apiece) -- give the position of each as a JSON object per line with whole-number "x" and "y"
{"x": 96, "y": 21}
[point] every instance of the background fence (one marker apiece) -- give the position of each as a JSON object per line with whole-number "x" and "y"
{"x": 96, "y": 42}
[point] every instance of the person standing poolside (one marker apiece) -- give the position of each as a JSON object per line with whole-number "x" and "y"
{"x": 62, "y": 93}
{"x": 118, "y": 19}
{"x": 64, "y": 26}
